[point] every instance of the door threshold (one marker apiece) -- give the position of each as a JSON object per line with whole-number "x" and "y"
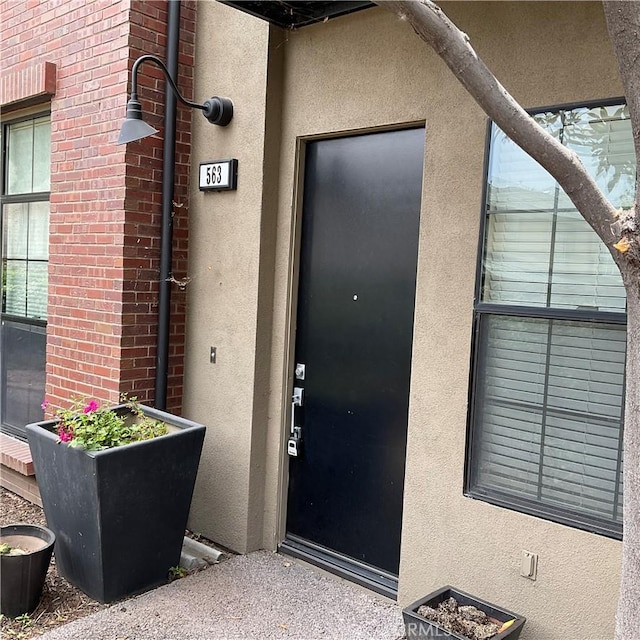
{"x": 386, "y": 584}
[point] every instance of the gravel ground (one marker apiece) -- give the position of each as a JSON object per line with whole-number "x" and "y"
{"x": 61, "y": 602}
{"x": 261, "y": 595}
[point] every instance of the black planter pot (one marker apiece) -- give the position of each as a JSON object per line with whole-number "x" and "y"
{"x": 23, "y": 576}
{"x": 119, "y": 514}
{"x": 417, "y": 626}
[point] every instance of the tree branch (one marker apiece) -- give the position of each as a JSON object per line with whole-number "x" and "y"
{"x": 623, "y": 23}
{"x": 452, "y": 45}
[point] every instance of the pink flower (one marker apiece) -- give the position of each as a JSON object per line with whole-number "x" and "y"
{"x": 45, "y": 404}
{"x": 92, "y": 406}
{"x": 65, "y": 436}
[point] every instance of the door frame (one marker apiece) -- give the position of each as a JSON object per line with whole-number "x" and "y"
{"x": 293, "y": 283}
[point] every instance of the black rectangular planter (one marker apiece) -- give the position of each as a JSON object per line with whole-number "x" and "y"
{"x": 118, "y": 514}
{"x": 418, "y": 627}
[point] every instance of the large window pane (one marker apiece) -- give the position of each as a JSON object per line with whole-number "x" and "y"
{"x": 39, "y": 231}
{"x": 26, "y": 247}
{"x": 23, "y": 373}
{"x": 509, "y": 421}
{"x": 583, "y": 274}
{"x": 517, "y": 258}
{"x": 548, "y": 413}
{"x": 37, "y": 281}
{"x": 516, "y": 181}
{"x": 15, "y": 288}
{"x": 15, "y": 230}
{"x": 539, "y": 250}
{"x": 546, "y": 259}
{"x": 29, "y": 156}
{"x": 603, "y": 139}
{"x": 42, "y": 155}
{"x": 20, "y": 157}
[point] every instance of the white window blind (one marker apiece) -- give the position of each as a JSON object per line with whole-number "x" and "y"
{"x": 549, "y": 412}
{"x": 25, "y": 218}
{"x": 539, "y": 250}
{"x": 549, "y": 385}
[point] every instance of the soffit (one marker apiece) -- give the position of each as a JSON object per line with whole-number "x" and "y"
{"x": 292, "y": 14}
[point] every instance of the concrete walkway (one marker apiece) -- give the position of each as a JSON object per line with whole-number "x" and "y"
{"x": 261, "y": 595}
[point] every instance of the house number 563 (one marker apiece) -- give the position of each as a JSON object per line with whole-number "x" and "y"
{"x": 218, "y": 176}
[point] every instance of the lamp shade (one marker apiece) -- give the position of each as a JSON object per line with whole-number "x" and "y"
{"x": 135, "y": 130}
{"x": 134, "y": 127}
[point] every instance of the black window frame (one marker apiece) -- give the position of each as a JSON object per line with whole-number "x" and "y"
{"x": 483, "y": 310}
{"x": 41, "y": 196}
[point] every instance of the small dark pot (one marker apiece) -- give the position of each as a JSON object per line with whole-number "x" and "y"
{"x": 119, "y": 514}
{"x": 23, "y": 576}
{"x": 418, "y": 627}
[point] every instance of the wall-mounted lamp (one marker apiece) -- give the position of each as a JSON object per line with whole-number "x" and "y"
{"x": 216, "y": 110}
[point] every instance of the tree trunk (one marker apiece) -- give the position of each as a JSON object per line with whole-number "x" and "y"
{"x": 628, "y": 618}
{"x": 623, "y": 23}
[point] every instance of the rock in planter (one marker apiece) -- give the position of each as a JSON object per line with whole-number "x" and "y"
{"x": 442, "y": 610}
{"x": 23, "y": 565}
{"x": 119, "y": 514}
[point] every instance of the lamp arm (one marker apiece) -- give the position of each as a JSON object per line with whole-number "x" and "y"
{"x": 150, "y": 58}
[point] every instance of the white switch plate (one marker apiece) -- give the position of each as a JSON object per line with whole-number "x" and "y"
{"x": 528, "y": 564}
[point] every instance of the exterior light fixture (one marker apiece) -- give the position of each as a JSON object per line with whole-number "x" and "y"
{"x": 216, "y": 110}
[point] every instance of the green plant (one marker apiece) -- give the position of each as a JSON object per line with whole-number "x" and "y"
{"x": 177, "y": 572}
{"x": 25, "y": 620}
{"x": 8, "y": 550}
{"x": 92, "y": 426}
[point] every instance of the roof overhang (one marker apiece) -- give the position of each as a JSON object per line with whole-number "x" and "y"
{"x": 292, "y": 14}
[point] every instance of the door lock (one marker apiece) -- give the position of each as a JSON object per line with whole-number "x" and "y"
{"x": 294, "y": 443}
{"x": 300, "y": 371}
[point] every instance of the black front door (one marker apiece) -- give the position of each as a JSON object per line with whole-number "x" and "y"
{"x": 354, "y": 337}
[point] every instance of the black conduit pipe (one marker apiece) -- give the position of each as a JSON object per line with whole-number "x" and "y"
{"x": 166, "y": 233}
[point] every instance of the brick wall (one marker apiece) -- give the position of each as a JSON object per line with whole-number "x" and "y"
{"x": 105, "y": 199}
{"x": 143, "y": 207}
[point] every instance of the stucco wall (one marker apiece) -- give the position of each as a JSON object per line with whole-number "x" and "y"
{"x": 224, "y": 264}
{"x": 366, "y": 71}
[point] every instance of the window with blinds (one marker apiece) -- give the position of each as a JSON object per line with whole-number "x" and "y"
{"x": 548, "y": 388}
{"x": 24, "y": 252}
{"x": 25, "y": 218}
